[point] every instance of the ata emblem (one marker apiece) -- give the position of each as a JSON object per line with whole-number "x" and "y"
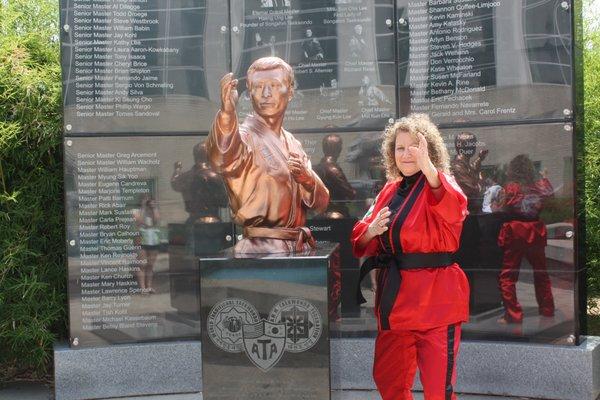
{"x": 225, "y": 322}
{"x": 293, "y": 325}
{"x": 264, "y": 343}
{"x": 302, "y": 322}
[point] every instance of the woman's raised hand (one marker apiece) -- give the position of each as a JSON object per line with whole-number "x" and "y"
{"x": 421, "y": 153}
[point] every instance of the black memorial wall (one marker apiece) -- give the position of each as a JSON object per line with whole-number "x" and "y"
{"x": 141, "y": 87}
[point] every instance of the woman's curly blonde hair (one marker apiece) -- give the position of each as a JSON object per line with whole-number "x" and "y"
{"x": 412, "y": 124}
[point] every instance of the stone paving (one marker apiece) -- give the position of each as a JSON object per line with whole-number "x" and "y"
{"x": 32, "y": 391}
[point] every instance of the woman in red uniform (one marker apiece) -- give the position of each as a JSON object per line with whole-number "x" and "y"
{"x": 409, "y": 235}
{"x": 524, "y": 235}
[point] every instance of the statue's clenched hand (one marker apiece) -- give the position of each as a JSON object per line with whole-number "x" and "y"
{"x": 229, "y": 99}
{"x": 299, "y": 171}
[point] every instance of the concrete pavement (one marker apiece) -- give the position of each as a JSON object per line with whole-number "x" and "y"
{"x": 38, "y": 391}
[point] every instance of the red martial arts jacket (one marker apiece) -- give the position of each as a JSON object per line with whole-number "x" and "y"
{"x": 523, "y": 203}
{"x": 428, "y": 297}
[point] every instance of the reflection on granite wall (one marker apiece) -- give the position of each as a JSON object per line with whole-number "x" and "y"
{"x": 142, "y": 66}
{"x": 141, "y": 209}
{"x": 134, "y": 239}
{"x": 341, "y": 52}
{"x": 481, "y": 158}
{"x": 486, "y": 61}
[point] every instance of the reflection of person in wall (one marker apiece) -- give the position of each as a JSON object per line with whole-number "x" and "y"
{"x": 258, "y": 40}
{"x": 524, "y": 235}
{"x": 467, "y": 169}
{"x": 269, "y": 178}
{"x": 357, "y": 44}
{"x": 311, "y": 47}
{"x": 260, "y": 47}
{"x": 410, "y": 234}
{"x": 147, "y": 222}
{"x": 332, "y": 92}
{"x": 371, "y": 95}
{"x": 274, "y": 3}
{"x": 365, "y": 153}
{"x": 271, "y": 44}
{"x": 334, "y": 178}
{"x": 201, "y": 188}
{"x": 492, "y": 193}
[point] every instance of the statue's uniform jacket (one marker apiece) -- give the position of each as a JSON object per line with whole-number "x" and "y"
{"x": 253, "y": 163}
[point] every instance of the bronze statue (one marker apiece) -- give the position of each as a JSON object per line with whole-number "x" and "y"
{"x": 201, "y": 188}
{"x": 334, "y": 178}
{"x": 268, "y": 176}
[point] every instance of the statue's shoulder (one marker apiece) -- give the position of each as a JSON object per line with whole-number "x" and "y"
{"x": 291, "y": 138}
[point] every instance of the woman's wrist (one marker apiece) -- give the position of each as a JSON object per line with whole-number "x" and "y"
{"x": 438, "y": 186}
{"x": 369, "y": 234}
{"x": 431, "y": 173}
{"x": 365, "y": 239}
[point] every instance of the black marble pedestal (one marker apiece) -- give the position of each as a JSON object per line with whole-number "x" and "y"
{"x": 265, "y": 325}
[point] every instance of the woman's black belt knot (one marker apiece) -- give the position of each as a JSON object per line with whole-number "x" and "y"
{"x": 390, "y": 284}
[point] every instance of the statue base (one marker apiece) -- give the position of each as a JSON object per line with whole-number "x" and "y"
{"x": 265, "y": 324}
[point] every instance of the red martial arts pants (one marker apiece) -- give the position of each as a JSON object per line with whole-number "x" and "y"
{"x": 434, "y": 351}
{"x": 511, "y": 264}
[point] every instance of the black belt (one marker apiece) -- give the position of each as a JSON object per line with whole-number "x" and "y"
{"x": 390, "y": 285}
{"x": 521, "y": 218}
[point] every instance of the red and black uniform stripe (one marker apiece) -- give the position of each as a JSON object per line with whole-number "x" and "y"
{"x": 393, "y": 259}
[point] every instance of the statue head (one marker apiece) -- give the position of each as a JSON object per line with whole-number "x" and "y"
{"x": 465, "y": 144}
{"x": 332, "y": 145}
{"x": 270, "y": 81}
{"x": 200, "y": 153}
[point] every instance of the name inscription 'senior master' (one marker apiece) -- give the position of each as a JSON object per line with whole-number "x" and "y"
{"x": 269, "y": 177}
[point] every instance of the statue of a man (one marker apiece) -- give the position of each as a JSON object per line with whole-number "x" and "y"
{"x": 269, "y": 178}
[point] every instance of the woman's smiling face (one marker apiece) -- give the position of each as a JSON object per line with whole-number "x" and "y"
{"x": 405, "y": 161}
